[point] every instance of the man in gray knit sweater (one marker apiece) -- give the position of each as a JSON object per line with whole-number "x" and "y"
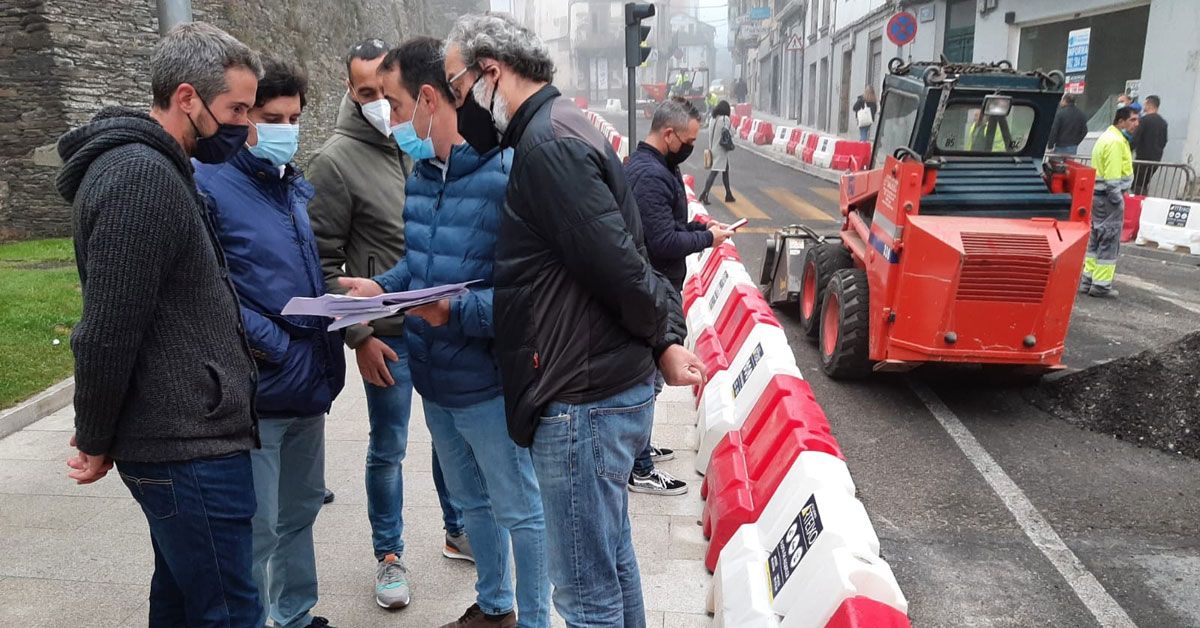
{"x": 164, "y": 378}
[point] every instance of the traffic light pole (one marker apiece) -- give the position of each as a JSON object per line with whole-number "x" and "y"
{"x": 632, "y": 107}
{"x": 635, "y": 54}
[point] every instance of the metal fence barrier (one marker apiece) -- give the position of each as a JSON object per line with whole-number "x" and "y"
{"x": 1155, "y": 178}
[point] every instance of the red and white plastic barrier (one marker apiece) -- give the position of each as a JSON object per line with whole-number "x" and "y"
{"x": 765, "y": 134}
{"x": 790, "y": 545}
{"x": 823, "y": 155}
{"x": 782, "y": 135}
{"x": 852, "y": 156}
{"x": 1169, "y": 224}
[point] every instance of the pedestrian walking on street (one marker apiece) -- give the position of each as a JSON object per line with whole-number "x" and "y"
{"x": 452, "y": 211}
{"x": 866, "y": 109}
{"x": 581, "y": 318}
{"x": 1149, "y": 142}
{"x": 1113, "y": 163}
{"x": 1068, "y": 129}
{"x": 740, "y": 91}
{"x": 654, "y": 177}
{"x": 164, "y": 379}
{"x": 720, "y": 144}
{"x": 357, "y": 216}
{"x": 259, "y": 204}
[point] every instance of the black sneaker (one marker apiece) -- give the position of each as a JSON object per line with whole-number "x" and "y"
{"x": 657, "y": 483}
{"x": 329, "y": 496}
{"x": 729, "y": 198}
{"x": 661, "y": 454}
{"x": 319, "y": 622}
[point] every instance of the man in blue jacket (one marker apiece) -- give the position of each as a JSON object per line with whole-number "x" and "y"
{"x": 258, "y": 201}
{"x": 653, "y": 173}
{"x": 451, "y": 214}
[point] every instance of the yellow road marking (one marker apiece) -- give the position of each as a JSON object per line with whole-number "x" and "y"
{"x": 759, "y": 229}
{"x": 833, "y": 194}
{"x": 742, "y": 207}
{"x": 799, "y": 206}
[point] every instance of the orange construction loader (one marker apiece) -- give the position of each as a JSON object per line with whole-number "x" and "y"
{"x": 959, "y": 245}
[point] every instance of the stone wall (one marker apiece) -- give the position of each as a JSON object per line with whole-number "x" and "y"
{"x": 62, "y": 60}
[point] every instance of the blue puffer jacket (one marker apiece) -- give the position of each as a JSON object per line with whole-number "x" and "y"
{"x": 262, "y": 221}
{"x": 450, "y": 228}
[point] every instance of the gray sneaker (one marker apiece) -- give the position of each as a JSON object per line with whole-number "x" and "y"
{"x": 391, "y": 583}
{"x": 458, "y": 546}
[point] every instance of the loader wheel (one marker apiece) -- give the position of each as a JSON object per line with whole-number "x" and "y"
{"x": 820, "y": 263}
{"x": 845, "y": 326}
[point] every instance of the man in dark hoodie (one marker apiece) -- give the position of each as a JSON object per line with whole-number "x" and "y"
{"x": 357, "y": 216}
{"x": 164, "y": 379}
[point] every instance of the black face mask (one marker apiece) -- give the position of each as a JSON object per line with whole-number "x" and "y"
{"x": 219, "y": 147}
{"x": 679, "y": 156}
{"x": 476, "y": 124}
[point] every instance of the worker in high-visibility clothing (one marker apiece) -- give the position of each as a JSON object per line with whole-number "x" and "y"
{"x": 1113, "y": 161}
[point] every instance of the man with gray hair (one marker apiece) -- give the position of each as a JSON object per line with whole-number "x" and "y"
{"x": 581, "y": 317}
{"x": 164, "y": 378}
{"x": 654, "y": 178}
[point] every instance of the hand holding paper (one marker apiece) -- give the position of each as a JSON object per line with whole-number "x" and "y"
{"x": 350, "y": 310}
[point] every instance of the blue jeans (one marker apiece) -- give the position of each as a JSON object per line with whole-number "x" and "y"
{"x": 289, "y": 481}
{"x": 643, "y": 464}
{"x": 199, "y": 513}
{"x": 492, "y": 479}
{"x": 388, "y": 410}
{"x": 583, "y": 455}
{"x": 864, "y": 133}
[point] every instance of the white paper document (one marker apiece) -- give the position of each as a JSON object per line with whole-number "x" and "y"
{"x": 347, "y": 310}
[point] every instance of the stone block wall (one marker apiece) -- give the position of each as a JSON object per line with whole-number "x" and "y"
{"x": 62, "y": 60}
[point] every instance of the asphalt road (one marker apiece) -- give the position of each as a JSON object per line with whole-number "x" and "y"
{"x": 991, "y": 512}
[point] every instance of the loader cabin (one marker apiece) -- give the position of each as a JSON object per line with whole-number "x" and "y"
{"x": 984, "y": 128}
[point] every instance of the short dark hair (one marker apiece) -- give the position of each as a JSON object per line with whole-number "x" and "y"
{"x": 421, "y": 62}
{"x": 1153, "y": 101}
{"x": 281, "y": 78}
{"x": 1069, "y": 98}
{"x": 367, "y": 50}
{"x": 1124, "y": 113}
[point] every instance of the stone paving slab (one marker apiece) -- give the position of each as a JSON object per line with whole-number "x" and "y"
{"x": 80, "y": 556}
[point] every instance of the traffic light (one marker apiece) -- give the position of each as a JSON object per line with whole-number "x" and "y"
{"x": 636, "y": 49}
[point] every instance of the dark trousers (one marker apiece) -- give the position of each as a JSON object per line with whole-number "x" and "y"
{"x": 712, "y": 177}
{"x": 199, "y": 513}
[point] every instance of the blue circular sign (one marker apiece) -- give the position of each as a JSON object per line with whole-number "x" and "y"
{"x": 902, "y": 28}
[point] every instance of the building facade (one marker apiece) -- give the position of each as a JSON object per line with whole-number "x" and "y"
{"x": 808, "y": 60}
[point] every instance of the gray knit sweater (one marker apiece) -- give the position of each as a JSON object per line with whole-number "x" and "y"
{"x": 162, "y": 368}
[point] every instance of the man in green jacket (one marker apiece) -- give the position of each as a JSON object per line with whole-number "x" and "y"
{"x": 358, "y": 219}
{"x": 1113, "y": 161}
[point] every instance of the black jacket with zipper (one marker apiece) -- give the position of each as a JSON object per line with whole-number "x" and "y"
{"x": 581, "y": 315}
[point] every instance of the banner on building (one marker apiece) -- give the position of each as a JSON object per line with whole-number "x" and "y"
{"x": 1077, "y": 51}
{"x": 760, "y": 13}
{"x": 1076, "y": 84}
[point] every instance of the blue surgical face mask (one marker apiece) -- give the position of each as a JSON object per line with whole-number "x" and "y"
{"x": 408, "y": 141}
{"x": 277, "y": 143}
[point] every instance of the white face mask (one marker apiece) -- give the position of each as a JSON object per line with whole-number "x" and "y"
{"x": 498, "y": 106}
{"x": 379, "y": 114}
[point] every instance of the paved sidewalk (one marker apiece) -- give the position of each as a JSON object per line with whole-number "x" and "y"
{"x": 80, "y": 556}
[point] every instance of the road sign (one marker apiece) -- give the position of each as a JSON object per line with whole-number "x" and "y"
{"x": 795, "y": 43}
{"x": 902, "y": 28}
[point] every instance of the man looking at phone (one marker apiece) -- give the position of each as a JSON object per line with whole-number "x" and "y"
{"x": 654, "y": 177}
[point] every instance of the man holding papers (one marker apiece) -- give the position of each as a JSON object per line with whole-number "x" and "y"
{"x": 454, "y": 199}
